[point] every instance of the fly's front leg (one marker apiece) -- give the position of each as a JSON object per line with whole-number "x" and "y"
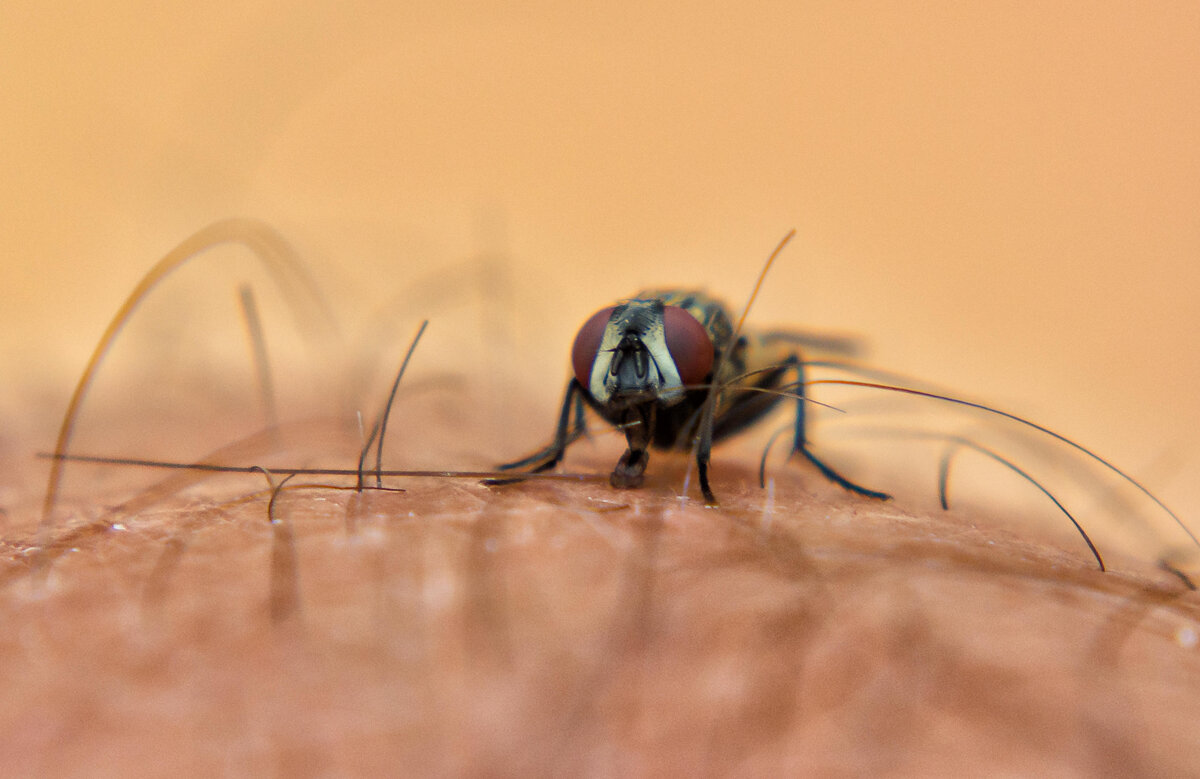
{"x": 552, "y": 455}
{"x": 704, "y": 450}
{"x": 800, "y": 443}
{"x": 638, "y": 422}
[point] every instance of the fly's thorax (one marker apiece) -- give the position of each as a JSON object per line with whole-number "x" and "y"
{"x": 707, "y": 310}
{"x": 730, "y": 359}
{"x": 647, "y": 349}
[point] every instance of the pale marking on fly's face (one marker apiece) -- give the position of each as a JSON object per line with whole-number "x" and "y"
{"x": 644, "y": 321}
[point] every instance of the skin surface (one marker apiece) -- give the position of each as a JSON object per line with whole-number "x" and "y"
{"x": 1002, "y": 199}
{"x": 568, "y": 627}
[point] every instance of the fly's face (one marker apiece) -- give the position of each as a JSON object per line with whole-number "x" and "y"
{"x": 643, "y": 350}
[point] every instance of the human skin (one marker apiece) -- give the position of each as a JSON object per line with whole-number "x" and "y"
{"x": 182, "y": 621}
{"x": 1002, "y": 199}
{"x": 563, "y": 626}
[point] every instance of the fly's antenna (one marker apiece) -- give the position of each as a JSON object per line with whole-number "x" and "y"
{"x": 379, "y": 429}
{"x": 1027, "y": 423}
{"x": 281, "y": 262}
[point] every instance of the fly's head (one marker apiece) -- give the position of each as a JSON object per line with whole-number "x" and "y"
{"x": 641, "y": 351}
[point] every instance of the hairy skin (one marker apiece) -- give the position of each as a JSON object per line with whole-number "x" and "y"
{"x": 992, "y": 192}
{"x": 573, "y": 628}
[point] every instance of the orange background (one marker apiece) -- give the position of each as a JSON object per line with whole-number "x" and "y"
{"x": 1004, "y": 198}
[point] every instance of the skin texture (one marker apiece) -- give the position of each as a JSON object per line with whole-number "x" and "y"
{"x": 568, "y": 627}
{"x": 1002, "y": 199}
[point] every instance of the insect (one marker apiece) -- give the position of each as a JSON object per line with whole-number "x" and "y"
{"x": 669, "y": 369}
{"x": 672, "y": 370}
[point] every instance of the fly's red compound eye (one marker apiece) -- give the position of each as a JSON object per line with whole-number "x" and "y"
{"x": 688, "y": 343}
{"x": 587, "y": 345}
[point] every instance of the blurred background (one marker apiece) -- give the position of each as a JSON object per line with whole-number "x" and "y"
{"x": 1004, "y": 199}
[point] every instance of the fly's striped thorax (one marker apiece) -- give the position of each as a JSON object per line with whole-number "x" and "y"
{"x": 708, "y": 311}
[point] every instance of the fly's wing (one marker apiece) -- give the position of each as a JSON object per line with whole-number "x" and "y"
{"x": 816, "y": 343}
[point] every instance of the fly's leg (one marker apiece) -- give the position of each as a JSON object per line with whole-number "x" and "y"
{"x": 704, "y": 443}
{"x": 800, "y": 443}
{"x": 549, "y": 457}
{"x": 638, "y": 422}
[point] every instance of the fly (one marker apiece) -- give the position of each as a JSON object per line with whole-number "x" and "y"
{"x": 670, "y": 369}
{"x": 654, "y": 366}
